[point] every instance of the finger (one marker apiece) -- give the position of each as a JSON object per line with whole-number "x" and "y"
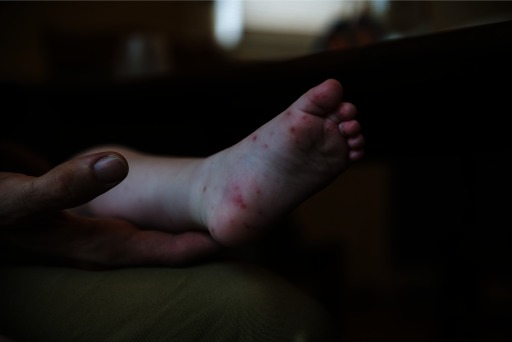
{"x": 105, "y": 243}
{"x": 68, "y": 185}
{"x": 100, "y": 243}
{"x": 161, "y": 248}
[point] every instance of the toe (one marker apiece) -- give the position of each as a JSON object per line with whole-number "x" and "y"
{"x": 321, "y": 100}
{"x": 356, "y": 155}
{"x": 356, "y": 143}
{"x": 347, "y": 111}
{"x": 350, "y": 128}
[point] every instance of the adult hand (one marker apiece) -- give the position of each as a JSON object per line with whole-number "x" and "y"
{"x": 34, "y": 219}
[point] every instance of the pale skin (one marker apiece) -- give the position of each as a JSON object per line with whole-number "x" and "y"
{"x": 194, "y": 206}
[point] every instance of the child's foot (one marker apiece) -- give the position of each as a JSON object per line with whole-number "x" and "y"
{"x": 245, "y": 188}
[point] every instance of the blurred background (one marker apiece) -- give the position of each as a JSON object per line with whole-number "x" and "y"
{"x": 387, "y": 247}
{"x": 84, "y": 41}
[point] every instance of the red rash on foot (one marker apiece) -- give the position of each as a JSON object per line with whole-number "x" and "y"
{"x": 254, "y": 137}
{"x": 306, "y": 119}
{"x": 238, "y": 199}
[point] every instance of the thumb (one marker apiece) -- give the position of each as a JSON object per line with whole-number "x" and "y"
{"x": 67, "y": 185}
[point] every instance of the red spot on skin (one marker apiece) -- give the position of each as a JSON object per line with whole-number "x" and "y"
{"x": 288, "y": 113}
{"x": 204, "y": 188}
{"x": 265, "y": 146}
{"x": 292, "y": 129}
{"x": 306, "y": 119}
{"x": 254, "y": 137}
{"x": 238, "y": 199}
{"x": 320, "y": 98}
{"x": 331, "y": 128}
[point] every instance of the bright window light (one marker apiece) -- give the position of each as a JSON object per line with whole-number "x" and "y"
{"x": 229, "y": 22}
{"x": 308, "y": 17}
{"x": 302, "y": 17}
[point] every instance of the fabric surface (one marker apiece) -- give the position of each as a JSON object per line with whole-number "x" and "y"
{"x": 221, "y": 301}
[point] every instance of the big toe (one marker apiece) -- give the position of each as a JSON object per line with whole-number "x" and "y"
{"x": 322, "y": 99}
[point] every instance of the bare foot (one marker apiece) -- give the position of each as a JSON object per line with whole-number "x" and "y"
{"x": 245, "y": 188}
